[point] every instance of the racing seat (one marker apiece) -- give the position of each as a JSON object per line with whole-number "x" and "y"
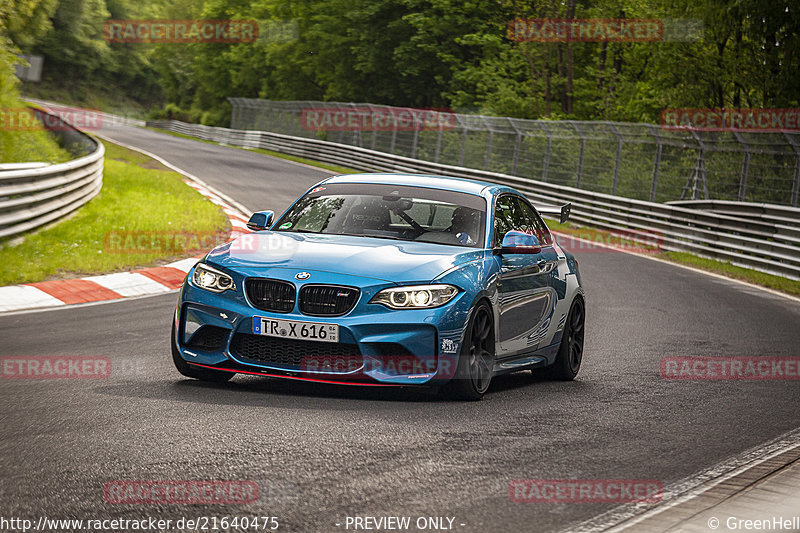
{"x": 464, "y": 228}
{"x": 371, "y": 215}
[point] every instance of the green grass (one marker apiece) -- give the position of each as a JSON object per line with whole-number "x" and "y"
{"x": 22, "y": 139}
{"x": 770, "y": 281}
{"x": 333, "y": 168}
{"x": 599, "y": 236}
{"x": 778, "y": 283}
{"x": 144, "y": 215}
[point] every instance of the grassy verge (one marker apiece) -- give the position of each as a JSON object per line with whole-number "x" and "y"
{"x": 86, "y": 96}
{"x": 778, "y": 283}
{"x": 333, "y": 168}
{"x": 145, "y": 215}
{"x": 23, "y": 140}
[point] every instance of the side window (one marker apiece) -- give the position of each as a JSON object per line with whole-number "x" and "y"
{"x": 503, "y": 218}
{"x": 536, "y": 224}
{"x": 513, "y": 213}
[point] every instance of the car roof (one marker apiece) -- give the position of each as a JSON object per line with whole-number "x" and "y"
{"x": 446, "y": 183}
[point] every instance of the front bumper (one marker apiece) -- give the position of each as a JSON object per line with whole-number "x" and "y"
{"x": 376, "y": 345}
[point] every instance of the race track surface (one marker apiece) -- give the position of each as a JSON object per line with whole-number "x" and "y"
{"x": 321, "y": 453}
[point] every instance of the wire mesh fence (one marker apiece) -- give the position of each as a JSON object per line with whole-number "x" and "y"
{"x": 641, "y": 161}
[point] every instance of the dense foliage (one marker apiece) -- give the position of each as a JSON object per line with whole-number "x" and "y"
{"x": 20, "y": 144}
{"x": 428, "y": 53}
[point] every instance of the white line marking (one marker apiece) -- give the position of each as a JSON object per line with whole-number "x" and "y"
{"x": 185, "y": 264}
{"x": 129, "y": 284}
{"x": 244, "y": 210}
{"x": 84, "y": 304}
{"x": 689, "y": 488}
{"x": 30, "y": 297}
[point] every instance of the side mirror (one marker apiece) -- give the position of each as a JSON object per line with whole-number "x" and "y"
{"x": 261, "y": 220}
{"x": 518, "y": 242}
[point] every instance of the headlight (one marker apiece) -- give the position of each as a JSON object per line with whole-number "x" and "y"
{"x": 415, "y": 297}
{"x": 212, "y": 279}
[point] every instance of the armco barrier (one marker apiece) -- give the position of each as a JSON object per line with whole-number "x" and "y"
{"x": 650, "y": 162}
{"x": 34, "y": 196}
{"x": 107, "y": 118}
{"x": 767, "y": 245}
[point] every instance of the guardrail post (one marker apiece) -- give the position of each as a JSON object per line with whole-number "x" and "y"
{"x": 341, "y": 130}
{"x": 517, "y": 144}
{"x": 580, "y": 155}
{"x": 699, "y": 172}
{"x": 263, "y": 118}
{"x": 656, "y": 164}
{"x": 357, "y": 131}
{"x": 796, "y": 183}
{"x": 236, "y": 113}
{"x": 745, "y": 165}
{"x": 463, "y": 144}
{"x": 439, "y": 137}
{"x": 394, "y": 133}
{"x": 415, "y": 138}
{"x": 374, "y": 129}
{"x": 615, "y": 182}
{"x": 546, "y": 164}
{"x": 488, "y": 157}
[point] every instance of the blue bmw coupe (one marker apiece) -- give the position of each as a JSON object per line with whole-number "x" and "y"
{"x": 387, "y": 280}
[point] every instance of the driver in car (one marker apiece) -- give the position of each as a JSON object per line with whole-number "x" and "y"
{"x": 465, "y": 223}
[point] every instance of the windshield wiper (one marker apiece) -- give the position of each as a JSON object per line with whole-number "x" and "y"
{"x": 373, "y": 236}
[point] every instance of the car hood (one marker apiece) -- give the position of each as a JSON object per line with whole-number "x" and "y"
{"x": 367, "y": 257}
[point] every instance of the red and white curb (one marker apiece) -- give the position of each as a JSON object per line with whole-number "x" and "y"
{"x": 154, "y": 280}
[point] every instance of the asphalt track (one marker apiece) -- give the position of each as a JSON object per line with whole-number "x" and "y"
{"x": 321, "y": 453}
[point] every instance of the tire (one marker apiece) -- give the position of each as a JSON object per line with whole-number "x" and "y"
{"x": 203, "y": 374}
{"x": 476, "y": 361}
{"x": 570, "y": 352}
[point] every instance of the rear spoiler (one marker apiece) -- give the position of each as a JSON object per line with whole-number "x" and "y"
{"x": 552, "y": 211}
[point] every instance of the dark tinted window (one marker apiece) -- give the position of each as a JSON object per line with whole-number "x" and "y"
{"x": 390, "y": 212}
{"x": 535, "y": 223}
{"x": 513, "y": 213}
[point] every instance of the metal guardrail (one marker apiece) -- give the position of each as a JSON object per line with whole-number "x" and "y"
{"x": 33, "y": 197}
{"x": 766, "y": 245}
{"x": 107, "y": 118}
{"x": 642, "y": 161}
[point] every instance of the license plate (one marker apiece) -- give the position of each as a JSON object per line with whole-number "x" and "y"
{"x": 293, "y": 329}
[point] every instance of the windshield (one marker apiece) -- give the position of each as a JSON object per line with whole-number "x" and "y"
{"x": 390, "y": 212}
